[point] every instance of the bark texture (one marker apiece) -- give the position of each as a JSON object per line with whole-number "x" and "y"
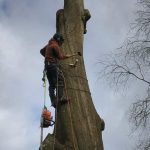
{"x": 78, "y": 126}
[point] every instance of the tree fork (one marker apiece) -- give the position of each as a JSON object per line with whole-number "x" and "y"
{"x": 78, "y": 126}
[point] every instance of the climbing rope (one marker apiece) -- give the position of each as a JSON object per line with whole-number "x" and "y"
{"x": 46, "y": 119}
{"x": 44, "y": 86}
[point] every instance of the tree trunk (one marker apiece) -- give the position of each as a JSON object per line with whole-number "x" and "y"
{"x": 78, "y": 126}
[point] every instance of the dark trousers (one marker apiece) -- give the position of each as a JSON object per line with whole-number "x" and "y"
{"x": 56, "y": 82}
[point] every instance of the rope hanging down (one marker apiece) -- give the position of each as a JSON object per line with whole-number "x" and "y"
{"x": 44, "y": 86}
{"x": 46, "y": 118}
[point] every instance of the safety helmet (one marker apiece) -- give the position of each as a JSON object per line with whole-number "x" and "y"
{"x": 58, "y": 37}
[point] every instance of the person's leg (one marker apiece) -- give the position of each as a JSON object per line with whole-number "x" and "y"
{"x": 52, "y": 78}
{"x": 61, "y": 85}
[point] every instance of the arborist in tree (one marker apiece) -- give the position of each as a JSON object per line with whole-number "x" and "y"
{"x": 52, "y": 53}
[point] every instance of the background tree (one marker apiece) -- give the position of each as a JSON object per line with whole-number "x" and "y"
{"x": 78, "y": 126}
{"x": 131, "y": 64}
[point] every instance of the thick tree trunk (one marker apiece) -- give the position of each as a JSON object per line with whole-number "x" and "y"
{"x": 78, "y": 126}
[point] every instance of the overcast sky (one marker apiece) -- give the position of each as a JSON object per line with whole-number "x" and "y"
{"x": 25, "y": 27}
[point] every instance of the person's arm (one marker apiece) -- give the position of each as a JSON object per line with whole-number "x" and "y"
{"x": 59, "y": 55}
{"x": 42, "y": 51}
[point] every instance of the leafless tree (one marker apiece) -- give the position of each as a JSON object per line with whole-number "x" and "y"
{"x": 131, "y": 63}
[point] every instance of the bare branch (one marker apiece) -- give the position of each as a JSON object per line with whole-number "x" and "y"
{"x": 132, "y": 61}
{"x": 140, "y": 112}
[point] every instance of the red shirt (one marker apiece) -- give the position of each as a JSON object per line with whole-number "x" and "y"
{"x": 52, "y": 52}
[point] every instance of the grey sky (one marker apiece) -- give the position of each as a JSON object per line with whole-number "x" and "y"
{"x": 25, "y": 27}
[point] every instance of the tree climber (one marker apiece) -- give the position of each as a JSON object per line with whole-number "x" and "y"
{"x": 52, "y": 53}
